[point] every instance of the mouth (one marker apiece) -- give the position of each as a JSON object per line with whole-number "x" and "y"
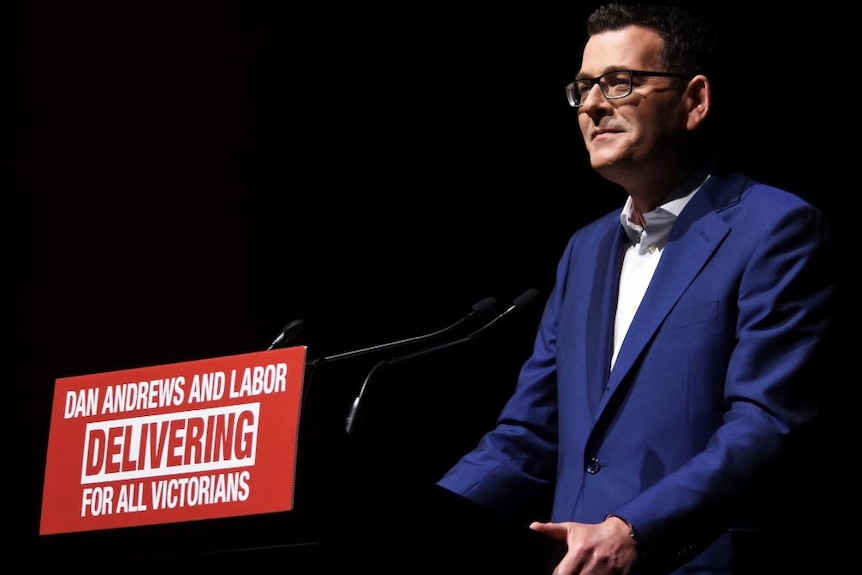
{"x": 603, "y": 133}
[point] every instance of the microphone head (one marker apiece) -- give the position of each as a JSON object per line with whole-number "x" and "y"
{"x": 526, "y": 299}
{"x": 288, "y": 333}
{"x": 485, "y": 308}
{"x": 293, "y": 329}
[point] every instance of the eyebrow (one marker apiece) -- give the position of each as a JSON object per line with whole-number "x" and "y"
{"x": 582, "y": 76}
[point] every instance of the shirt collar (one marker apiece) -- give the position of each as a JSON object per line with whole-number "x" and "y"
{"x": 660, "y": 220}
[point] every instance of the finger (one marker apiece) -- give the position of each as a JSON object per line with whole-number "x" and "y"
{"x": 553, "y": 530}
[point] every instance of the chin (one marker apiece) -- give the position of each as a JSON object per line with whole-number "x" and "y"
{"x": 601, "y": 162}
{"x": 604, "y": 153}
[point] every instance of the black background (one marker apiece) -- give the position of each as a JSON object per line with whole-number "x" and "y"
{"x": 183, "y": 178}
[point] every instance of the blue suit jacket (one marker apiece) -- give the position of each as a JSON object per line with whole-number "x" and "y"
{"x": 708, "y": 391}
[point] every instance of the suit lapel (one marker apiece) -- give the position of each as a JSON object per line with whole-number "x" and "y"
{"x": 603, "y": 301}
{"x": 697, "y": 233}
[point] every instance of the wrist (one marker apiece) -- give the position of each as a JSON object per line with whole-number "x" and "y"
{"x": 632, "y": 532}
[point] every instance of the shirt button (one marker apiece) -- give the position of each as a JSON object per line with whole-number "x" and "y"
{"x": 651, "y": 249}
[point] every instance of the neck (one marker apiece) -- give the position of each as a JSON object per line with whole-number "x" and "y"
{"x": 650, "y": 187}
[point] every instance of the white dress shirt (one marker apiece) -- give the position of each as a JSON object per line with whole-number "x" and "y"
{"x": 644, "y": 252}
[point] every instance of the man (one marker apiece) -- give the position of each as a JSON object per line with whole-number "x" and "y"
{"x": 670, "y": 380}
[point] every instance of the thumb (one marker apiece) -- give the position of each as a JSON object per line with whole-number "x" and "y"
{"x": 553, "y": 530}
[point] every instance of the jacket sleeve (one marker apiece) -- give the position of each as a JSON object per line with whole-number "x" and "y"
{"x": 512, "y": 467}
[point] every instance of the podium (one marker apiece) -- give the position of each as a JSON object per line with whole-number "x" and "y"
{"x": 390, "y": 516}
{"x": 365, "y": 501}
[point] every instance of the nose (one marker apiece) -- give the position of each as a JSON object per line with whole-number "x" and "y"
{"x": 594, "y": 97}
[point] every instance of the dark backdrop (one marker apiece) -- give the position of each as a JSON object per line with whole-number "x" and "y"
{"x": 185, "y": 177}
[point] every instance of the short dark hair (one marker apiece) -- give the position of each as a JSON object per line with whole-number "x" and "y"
{"x": 690, "y": 43}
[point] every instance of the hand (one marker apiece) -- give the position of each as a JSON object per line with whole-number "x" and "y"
{"x": 605, "y": 548}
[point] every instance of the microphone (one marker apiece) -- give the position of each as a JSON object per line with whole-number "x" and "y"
{"x": 519, "y": 304}
{"x": 479, "y": 312}
{"x": 288, "y": 333}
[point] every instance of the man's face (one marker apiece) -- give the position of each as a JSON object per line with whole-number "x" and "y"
{"x": 640, "y": 132}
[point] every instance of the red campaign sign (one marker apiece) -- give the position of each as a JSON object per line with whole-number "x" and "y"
{"x": 185, "y": 441}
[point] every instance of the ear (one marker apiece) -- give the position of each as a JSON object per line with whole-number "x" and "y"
{"x": 697, "y": 99}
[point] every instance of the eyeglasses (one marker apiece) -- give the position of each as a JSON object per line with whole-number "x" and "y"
{"x": 614, "y": 85}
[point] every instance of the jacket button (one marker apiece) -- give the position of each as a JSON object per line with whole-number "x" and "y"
{"x": 593, "y": 466}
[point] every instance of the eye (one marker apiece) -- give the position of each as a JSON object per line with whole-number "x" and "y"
{"x": 616, "y": 84}
{"x": 584, "y": 87}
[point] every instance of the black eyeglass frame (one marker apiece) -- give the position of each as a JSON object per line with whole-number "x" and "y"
{"x": 597, "y": 80}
